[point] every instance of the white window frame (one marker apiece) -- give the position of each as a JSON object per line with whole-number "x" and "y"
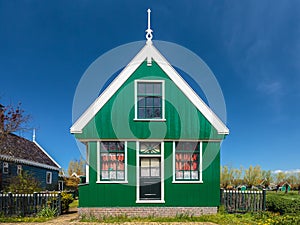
{"x": 99, "y": 181}
{"x": 19, "y": 169}
{"x": 60, "y": 185}
{"x": 162, "y": 181}
{"x": 136, "y": 101}
{"x": 50, "y": 181}
{"x": 5, "y": 168}
{"x": 87, "y": 167}
{"x": 200, "y": 181}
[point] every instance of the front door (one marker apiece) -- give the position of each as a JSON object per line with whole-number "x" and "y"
{"x": 150, "y": 178}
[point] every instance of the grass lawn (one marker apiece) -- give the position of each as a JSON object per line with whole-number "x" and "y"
{"x": 292, "y": 195}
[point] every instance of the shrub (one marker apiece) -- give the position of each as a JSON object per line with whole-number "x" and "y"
{"x": 281, "y": 205}
{"x": 66, "y": 200}
{"x": 47, "y": 212}
{"x": 23, "y": 183}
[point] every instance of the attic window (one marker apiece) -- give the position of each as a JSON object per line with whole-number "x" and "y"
{"x": 149, "y": 100}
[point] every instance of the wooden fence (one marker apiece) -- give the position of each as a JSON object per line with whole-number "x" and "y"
{"x": 28, "y": 204}
{"x": 243, "y": 201}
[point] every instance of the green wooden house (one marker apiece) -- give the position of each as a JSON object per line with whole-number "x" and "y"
{"x": 153, "y": 145}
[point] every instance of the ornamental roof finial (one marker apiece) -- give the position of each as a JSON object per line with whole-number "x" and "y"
{"x": 149, "y": 35}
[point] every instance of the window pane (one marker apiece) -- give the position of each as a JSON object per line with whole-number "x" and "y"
{"x": 112, "y": 175}
{"x": 157, "y": 88}
{"x": 120, "y": 146}
{"x": 157, "y": 113}
{"x": 141, "y": 88}
{"x": 149, "y": 113}
{"x": 120, "y": 175}
{"x": 141, "y": 113}
{"x": 141, "y": 102}
{"x": 149, "y": 101}
{"x": 149, "y": 88}
{"x": 157, "y": 102}
{"x": 104, "y": 175}
{"x": 145, "y": 163}
{"x": 154, "y": 162}
{"x": 187, "y": 175}
{"x": 104, "y": 146}
{"x": 195, "y": 175}
{"x": 145, "y": 172}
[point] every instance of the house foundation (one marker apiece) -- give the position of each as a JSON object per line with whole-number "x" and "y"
{"x": 100, "y": 212}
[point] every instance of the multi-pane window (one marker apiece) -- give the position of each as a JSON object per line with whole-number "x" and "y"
{"x": 5, "y": 167}
{"x": 19, "y": 169}
{"x": 149, "y": 100}
{"x": 112, "y": 161}
{"x": 49, "y": 177}
{"x": 187, "y": 161}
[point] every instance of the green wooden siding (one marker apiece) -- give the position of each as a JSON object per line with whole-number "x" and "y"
{"x": 112, "y": 195}
{"x": 116, "y": 117}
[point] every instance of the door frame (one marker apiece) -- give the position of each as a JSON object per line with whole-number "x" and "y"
{"x": 161, "y": 156}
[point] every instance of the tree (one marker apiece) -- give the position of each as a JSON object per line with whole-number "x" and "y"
{"x": 12, "y": 119}
{"x": 226, "y": 176}
{"x": 76, "y": 166}
{"x": 292, "y": 180}
{"x": 280, "y": 177}
{"x": 237, "y": 176}
{"x": 267, "y": 177}
{"x": 252, "y": 176}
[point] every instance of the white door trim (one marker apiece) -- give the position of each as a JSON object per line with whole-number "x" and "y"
{"x": 161, "y": 155}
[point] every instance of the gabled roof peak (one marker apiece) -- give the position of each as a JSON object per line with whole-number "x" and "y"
{"x": 149, "y": 53}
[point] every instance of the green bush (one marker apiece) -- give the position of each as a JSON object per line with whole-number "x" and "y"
{"x": 283, "y": 206}
{"x": 47, "y": 212}
{"x": 23, "y": 183}
{"x": 66, "y": 200}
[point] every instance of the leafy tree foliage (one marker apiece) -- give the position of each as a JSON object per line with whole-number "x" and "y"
{"x": 280, "y": 177}
{"x": 226, "y": 176}
{"x": 76, "y": 166}
{"x": 253, "y": 176}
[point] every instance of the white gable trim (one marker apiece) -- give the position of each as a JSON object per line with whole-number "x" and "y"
{"x": 148, "y": 51}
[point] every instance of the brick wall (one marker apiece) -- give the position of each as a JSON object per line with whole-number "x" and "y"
{"x": 145, "y": 211}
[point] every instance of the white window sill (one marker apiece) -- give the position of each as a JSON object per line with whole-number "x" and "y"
{"x": 187, "y": 182}
{"x": 150, "y": 201}
{"x": 83, "y": 184}
{"x": 112, "y": 182}
{"x": 149, "y": 120}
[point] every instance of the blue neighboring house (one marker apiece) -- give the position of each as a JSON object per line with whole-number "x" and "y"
{"x": 18, "y": 155}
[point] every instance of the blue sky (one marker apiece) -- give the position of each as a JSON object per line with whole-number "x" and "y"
{"x": 253, "y": 48}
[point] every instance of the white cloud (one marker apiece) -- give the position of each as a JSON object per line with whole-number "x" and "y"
{"x": 287, "y": 171}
